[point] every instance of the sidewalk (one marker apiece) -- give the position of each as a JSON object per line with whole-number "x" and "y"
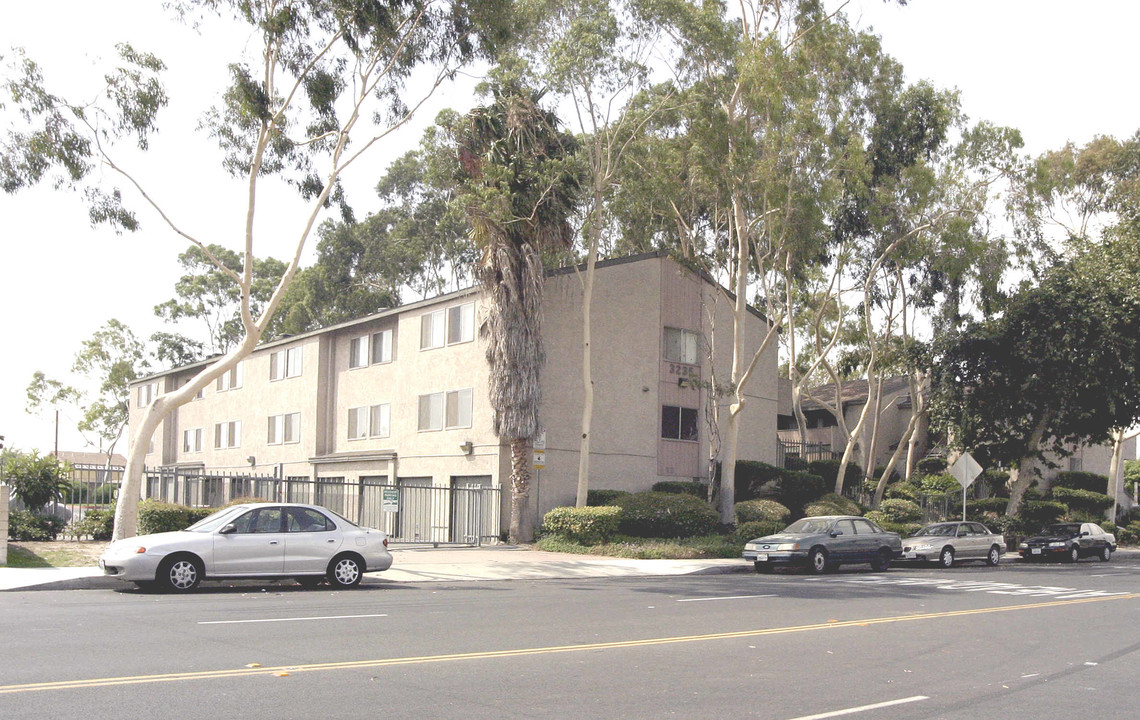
{"x": 421, "y": 564}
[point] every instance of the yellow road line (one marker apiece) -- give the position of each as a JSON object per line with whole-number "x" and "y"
{"x": 491, "y": 654}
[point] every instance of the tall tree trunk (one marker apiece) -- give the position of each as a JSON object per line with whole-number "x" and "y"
{"x": 587, "y": 361}
{"x": 522, "y": 523}
{"x": 886, "y": 476}
{"x": 1020, "y": 475}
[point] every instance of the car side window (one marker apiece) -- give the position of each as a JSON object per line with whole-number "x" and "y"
{"x": 846, "y": 527}
{"x": 864, "y": 528}
{"x": 245, "y": 522}
{"x": 307, "y": 520}
{"x": 268, "y": 520}
{"x": 1096, "y": 529}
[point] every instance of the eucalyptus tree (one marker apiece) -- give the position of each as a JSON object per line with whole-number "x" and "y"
{"x": 521, "y": 183}
{"x": 595, "y": 56}
{"x": 320, "y": 73}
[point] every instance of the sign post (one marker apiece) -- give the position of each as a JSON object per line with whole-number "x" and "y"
{"x": 965, "y": 470}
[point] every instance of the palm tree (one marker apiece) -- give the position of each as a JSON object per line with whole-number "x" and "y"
{"x": 521, "y": 184}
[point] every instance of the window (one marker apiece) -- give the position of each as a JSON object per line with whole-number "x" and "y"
{"x": 284, "y": 428}
{"x": 451, "y": 409}
{"x": 682, "y": 346}
{"x": 192, "y": 440}
{"x": 358, "y": 352}
{"x": 678, "y": 423}
{"x": 307, "y": 520}
{"x": 382, "y": 347}
{"x": 461, "y": 324}
{"x": 147, "y": 393}
{"x": 231, "y": 380}
{"x": 864, "y": 527}
{"x": 431, "y": 330}
{"x": 369, "y": 421}
{"x": 285, "y": 364}
{"x": 227, "y": 434}
{"x": 459, "y": 409}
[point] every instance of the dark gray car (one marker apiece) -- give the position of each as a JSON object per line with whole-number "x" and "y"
{"x": 823, "y": 543}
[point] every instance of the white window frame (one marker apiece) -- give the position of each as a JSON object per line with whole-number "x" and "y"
{"x": 358, "y": 423}
{"x": 462, "y": 316}
{"x": 431, "y": 410}
{"x": 147, "y": 394}
{"x": 448, "y": 410}
{"x": 433, "y": 329}
{"x": 382, "y": 343}
{"x": 285, "y": 363}
{"x": 192, "y": 440}
{"x": 230, "y": 380}
{"x": 687, "y": 341}
{"x": 227, "y": 435}
{"x": 680, "y": 424}
{"x": 358, "y": 352}
{"x": 380, "y": 420}
{"x": 284, "y": 429}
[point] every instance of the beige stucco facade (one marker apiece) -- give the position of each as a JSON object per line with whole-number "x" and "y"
{"x": 635, "y": 300}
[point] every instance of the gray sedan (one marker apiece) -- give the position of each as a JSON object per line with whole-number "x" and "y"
{"x": 949, "y": 542}
{"x": 823, "y": 543}
{"x": 254, "y": 540}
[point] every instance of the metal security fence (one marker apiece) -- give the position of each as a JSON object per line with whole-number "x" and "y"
{"x": 796, "y": 455}
{"x": 411, "y": 510}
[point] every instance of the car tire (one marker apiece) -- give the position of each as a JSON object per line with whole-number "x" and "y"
{"x": 881, "y": 561}
{"x": 993, "y": 556}
{"x": 1105, "y": 553}
{"x": 1074, "y": 554}
{"x": 345, "y": 571}
{"x": 817, "y": 561}
{"x": 309, "y": 581}
{"x": 179, "y": 573}
{"x": 946, "y": 558}
{"x": 763, "y": 568}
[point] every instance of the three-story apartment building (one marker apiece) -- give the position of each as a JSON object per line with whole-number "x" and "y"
{"x": 399, "y": 398}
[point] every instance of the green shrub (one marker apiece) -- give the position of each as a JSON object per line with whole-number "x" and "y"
{"x": 598, "y": 498}
{"x": 26, "y": 526}
{"x": 1035, "y": 514}
{"x": 157, "y": 517}
{"x": 245, "y": 501}
{"x": 588, "y": 525}
{"x": 665, "y": 515}
{"x": 937, "y": 484}
{"x": 895, "y": 475}
{"x": 752, "y": 476}
{"x": 96, "y": 524}
{"x": 829, "y": 470}
{"x": 982, "y": 510}
{"x": 845, "y": 505}
{"x": 1091, "y": 503}
{"x": 756, "y": 529}
{"x": 679, "y": 487}
{"x": 760, "y": 511}
{"x": 996, "y": 482}
{"x": 900, "y": 510}
{"x": 1076, "y": 480}
{"x": 35, "y": 479}
{"x": 902, "y": 490}
{"x": 903, "y": 529}
{"x": 931, "y": 466}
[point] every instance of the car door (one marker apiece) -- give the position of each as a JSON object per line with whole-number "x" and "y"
{"x": 867, "y": 540}
{"x": 311, "y": 540}
{"x": 256, "y": 546}
{"x": 966, "y": 544}
{"x": 844, "y": 547}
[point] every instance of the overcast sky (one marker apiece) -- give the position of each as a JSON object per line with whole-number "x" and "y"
{"x": 1058, "y": 71}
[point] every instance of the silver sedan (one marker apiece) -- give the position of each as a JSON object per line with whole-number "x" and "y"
{"x": 255, "y": 540}
{"x": 949, "y": 542}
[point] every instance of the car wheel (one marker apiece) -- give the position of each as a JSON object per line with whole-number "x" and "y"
{"x": 308, "y": 581}
{"x": 345, "y": 571}
{"x": 1074, "y": 554}
{"x": 817, "y": 561}
{"x": 993, "y": 556}
{"x": 1105, "y": 554}
{"x": 179, "y": 573}
{"x": 763, "y": 567}
{"x": 946, "y": 557}
{"x": 881, "y": 561}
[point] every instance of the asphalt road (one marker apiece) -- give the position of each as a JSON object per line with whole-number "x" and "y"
{"x": 1019, "y": 641}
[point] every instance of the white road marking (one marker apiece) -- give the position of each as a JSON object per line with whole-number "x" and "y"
{"x": 292, "y": 619}
{"x": 995, "y": 588}
{"x": 726, "y": 597}
{"x": 862, "y": 708}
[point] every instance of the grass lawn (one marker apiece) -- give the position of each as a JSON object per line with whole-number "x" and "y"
{"x": 697, "y": 548}
{"x": 53, "y": 554}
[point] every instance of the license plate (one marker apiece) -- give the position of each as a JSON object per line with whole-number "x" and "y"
{"x": 911, "y": 556}
{"x": 1035, "y": 551}
{"x": 761, "y": 557}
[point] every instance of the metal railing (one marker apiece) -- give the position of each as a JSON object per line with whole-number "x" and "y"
{"x": 796, "y": 455}
{"x": 411, "y": 511}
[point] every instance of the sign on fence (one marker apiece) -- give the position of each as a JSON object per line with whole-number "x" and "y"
{"x": 390, "y": 500}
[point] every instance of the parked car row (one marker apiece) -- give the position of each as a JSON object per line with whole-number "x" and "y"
{"x": 823, "y": 543}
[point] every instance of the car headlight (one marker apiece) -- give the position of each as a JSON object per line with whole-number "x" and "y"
{"x": 1023, "y": 546}
{"x": 750, "y": 546}
{"x": 926, "y": 546}
{"x": 1056, "y": 544}
{"x": 788, "y": 546}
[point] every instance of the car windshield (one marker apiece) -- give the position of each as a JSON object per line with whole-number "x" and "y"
{"x": 808, "y": 526}
{"x": 1062, "y": 529}
{"x": 940, "y": 530}
{"x": 218, "y": 519}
